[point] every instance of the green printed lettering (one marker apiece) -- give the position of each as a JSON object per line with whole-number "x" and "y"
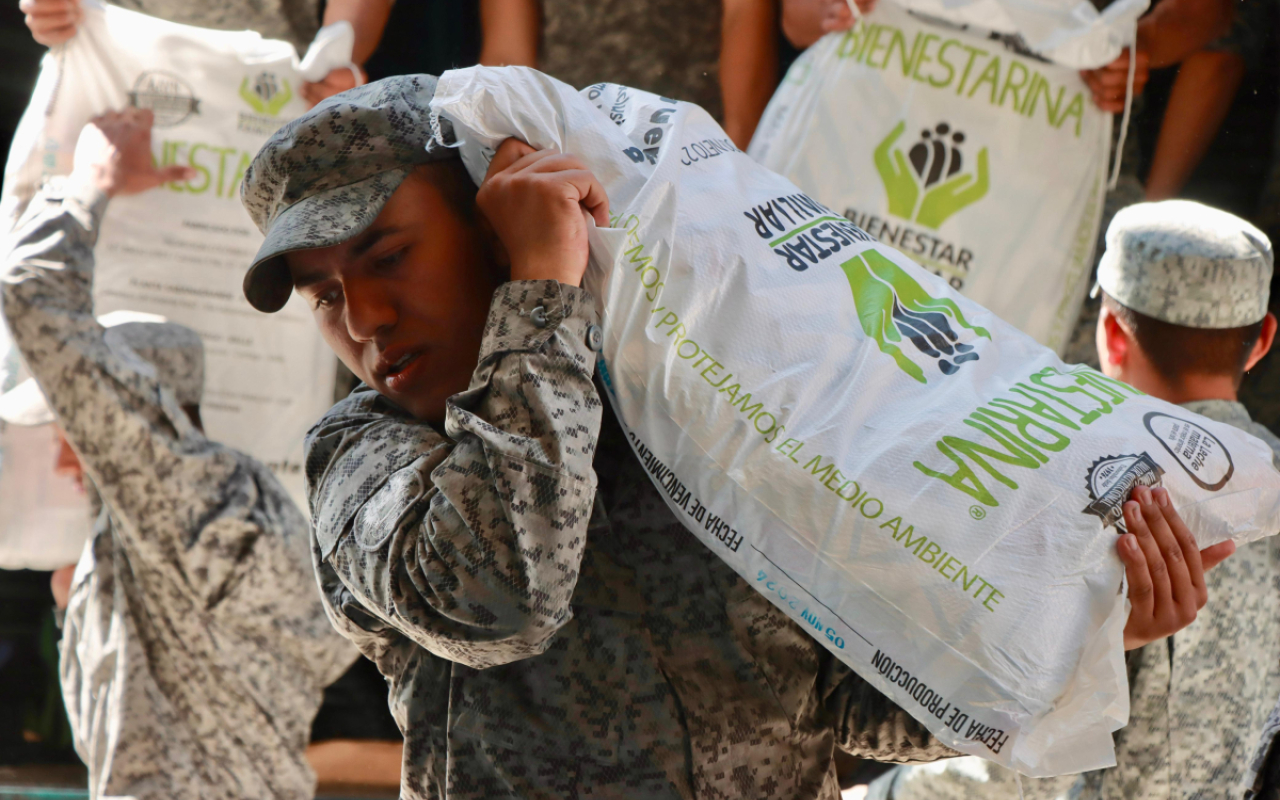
{"x": 1076, "y": 109}
{"x": 1006, "y": 437}
{"x": 749, "y": 410}
{"x": 990, "y": 74}
{"x": 943, "y": 568}
{"x": 200, "y": 168}
{"x": 813, "y": 468}
{"x": 979, "y": 454}
{"x": 963, "y": 478}
{"x": 922, "y": 58}
{"x": 992, "y": 596}
{"x": 951, "y": 70}
{"x": 1025, "y": 390}
{"x": 245, "y": 161}
{"x": 930, "y": 553}
{"x": 914, "y": 545}
{"x": 973, "y": 53}
{"x": 893, "y": 523}
{"x": 1041, "y": 379}
{"x": 640, "y": 263}
{"x": 1024, "y": 423}
{"x": 876, "y": 45}
{"x": 1037, "y": 407}
{"x": 1012, "y": 85}
{"x": 836, "y": 477}
{"x": 969, "y": 581}
{"x": 1114, "y": 388}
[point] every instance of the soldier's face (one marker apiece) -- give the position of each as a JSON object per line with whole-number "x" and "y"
{"x": 404, "y": 303}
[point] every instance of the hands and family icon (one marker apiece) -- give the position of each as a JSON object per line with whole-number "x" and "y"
{"x": 932, "y": 168}
{"x": 892, "y": 307}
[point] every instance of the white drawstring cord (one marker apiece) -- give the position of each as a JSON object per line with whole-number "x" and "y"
{"x": 1017, "y": 778}
{"x": 1128, "y": 108}
{"x": 857, "y": 14}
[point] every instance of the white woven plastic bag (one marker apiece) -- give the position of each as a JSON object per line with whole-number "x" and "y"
{"x": 181, "y": 250}
{"x": 985, "y": 166}
{"x": 926, "y": 490}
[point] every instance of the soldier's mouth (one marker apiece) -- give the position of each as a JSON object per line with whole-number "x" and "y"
{"x": 403, "y": 371}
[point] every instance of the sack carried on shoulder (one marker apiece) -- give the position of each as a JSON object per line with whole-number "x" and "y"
{"x": 930, "y": 493}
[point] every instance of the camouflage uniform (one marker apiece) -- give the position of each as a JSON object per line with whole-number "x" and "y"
{"x": 195, "y": 648}
{"x": 548, "y": 627}
{"x": 1198, "y": 699}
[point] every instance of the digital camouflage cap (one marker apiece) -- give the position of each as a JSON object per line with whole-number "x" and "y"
{"x": 324, "y": 177}
{"x": 1187, "y": 264}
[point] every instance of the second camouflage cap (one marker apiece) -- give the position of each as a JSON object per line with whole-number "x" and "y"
{"x": 1187, "y": 264}
{"x": 324, "y": 177}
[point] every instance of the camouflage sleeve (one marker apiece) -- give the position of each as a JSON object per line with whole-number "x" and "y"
{"x": 869, "y": 725}
{"x": 153, "y": 468}
{"x": 469, "y": 545}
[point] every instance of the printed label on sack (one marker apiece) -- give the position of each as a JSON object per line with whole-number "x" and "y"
{"x": 1204, "y": 456}
{"x": 1110, "y": 480}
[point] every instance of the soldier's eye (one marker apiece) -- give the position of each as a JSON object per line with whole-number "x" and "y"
{"x": 389, "y": 260}
{"x": 326, "y": 299}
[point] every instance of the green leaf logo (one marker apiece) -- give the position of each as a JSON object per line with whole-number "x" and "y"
{"x": 927, "y": 184}
{"x": 266, "y": 95}
{"x": 894, "y": 308}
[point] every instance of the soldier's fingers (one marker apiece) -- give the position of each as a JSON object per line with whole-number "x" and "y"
{"x": 1141, "y": 589}
{"x": 510, "y": 153}
{"x": 49, "y": 8}
{"x": 1180, "y": 590}
{"x": 174, "y": 174}
{"x": 1187, "y": 543}
{"x": 1162, "y": 595}
{"x": 1214, "y": 555}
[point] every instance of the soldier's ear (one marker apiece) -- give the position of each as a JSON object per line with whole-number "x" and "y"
{"x": 1115, "y": 341}
{"x": 1266, "y": 337}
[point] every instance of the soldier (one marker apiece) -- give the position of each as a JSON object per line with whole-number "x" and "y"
{"x": 1184, "y": 315}
{"x": 195, "y": 647}
{"x": 482, "y": 529}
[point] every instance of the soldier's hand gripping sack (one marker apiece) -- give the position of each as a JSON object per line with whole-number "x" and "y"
{"x": 930, "y": 493}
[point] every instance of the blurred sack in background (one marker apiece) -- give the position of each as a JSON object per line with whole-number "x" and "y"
{"x": 180, "y": 251}
{"x": 985, "y": 165}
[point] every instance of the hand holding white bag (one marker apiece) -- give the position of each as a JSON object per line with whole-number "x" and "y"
{"x": 180, "y": 250}
{"x": 927, "y": 491}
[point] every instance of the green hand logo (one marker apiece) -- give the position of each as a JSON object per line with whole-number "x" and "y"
{"x": 264, "y": 95}
{"x": 892, "y": 307}
{"x": 932, "y": 167}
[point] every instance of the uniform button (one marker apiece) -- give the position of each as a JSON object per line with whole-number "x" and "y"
{"x": 539, "y": 317}
{"x": 595, "y": 338}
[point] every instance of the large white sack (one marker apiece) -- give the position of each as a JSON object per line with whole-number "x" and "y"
{"x": 45, "y": 517}
{"x": 985, "y": 166}
{"x": 838, "y": 424}
{"x": 1072, "y": 33}
{"x": 181, "y": 250}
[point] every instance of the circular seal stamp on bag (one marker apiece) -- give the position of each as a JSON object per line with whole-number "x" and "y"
{"x": 1203, "y": 455}
{"x": 1110, "y": 481}
{"x": 167, "y": 96}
